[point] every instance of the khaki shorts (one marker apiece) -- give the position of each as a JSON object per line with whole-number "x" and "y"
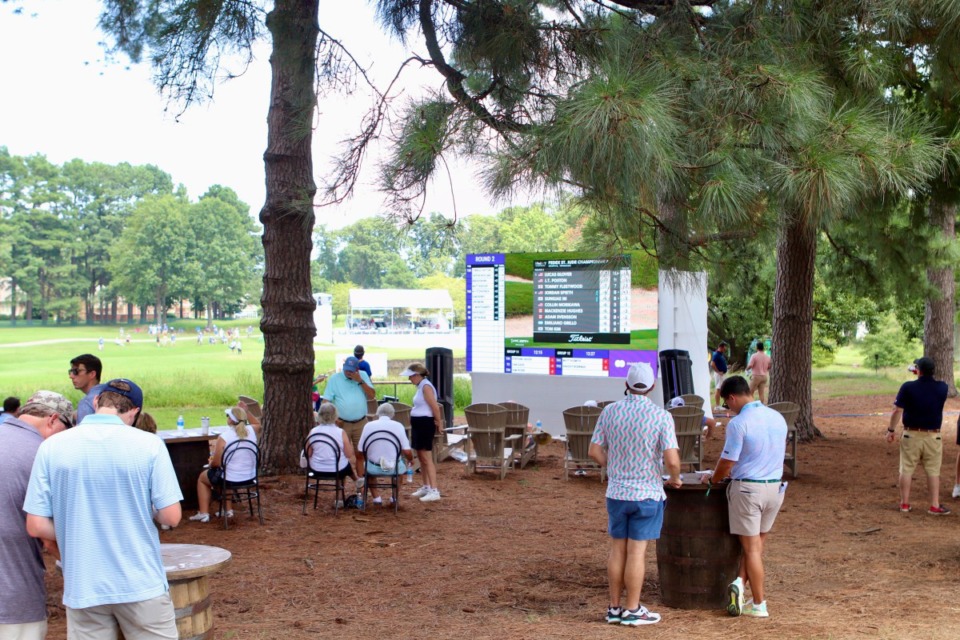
{"x": 152, "y": 619}
{"x": 758, "y": 381}
{"x": 917, "y": 446}
{"x": 24, "y": 631}
{"x": 718, "y": 378}
{"x": 753, "y": 506}
{"x": 354, "y": 431}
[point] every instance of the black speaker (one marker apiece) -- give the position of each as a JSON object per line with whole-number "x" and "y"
{"x": 439, "y": 361}
{"x": 676, "y": 373}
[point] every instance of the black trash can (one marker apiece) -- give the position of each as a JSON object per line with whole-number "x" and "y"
{"x": 676, "y": 372}
{"x": 439, "y": 361}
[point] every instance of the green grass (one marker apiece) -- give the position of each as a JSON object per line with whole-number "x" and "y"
{"x": 518, "y": 298}
{"x": 185, "y": 379}
{"x": 848, "y": 376}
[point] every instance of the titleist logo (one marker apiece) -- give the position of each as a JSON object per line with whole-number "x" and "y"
{"x": 579, "y": 337}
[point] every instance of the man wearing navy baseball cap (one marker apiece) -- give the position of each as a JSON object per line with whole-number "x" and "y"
{"x": 93, "y": 490}
{"x": 919, "y": 404}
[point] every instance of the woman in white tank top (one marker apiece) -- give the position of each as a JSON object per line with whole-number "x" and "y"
{"x": 426, "y": 420}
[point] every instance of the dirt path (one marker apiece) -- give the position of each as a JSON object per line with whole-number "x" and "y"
{"x": 525, "y": 557}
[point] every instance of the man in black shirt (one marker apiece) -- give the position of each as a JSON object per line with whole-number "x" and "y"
{"x": 920, "y": 404}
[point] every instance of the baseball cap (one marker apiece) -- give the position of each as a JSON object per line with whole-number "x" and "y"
{"x": 358, "y": 351}
{"x": 676, "y": 402}
{"x": 925, "y": 365}
{"x": 126, "y": 388}
{"x": 640, "y": 377}
{"x": 351, "y": 364}
{"x": 52, "y": 401}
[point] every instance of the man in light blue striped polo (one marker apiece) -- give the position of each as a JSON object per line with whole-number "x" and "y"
{"x": 93, "y": 490}
{"x": 636, "y": 440}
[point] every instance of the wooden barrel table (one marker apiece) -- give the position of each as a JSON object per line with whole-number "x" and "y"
{"x": 187, "y": 567}
{"x": 697, "y": 556}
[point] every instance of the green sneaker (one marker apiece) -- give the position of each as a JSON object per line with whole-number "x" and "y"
{"x": 613, "y": 615}
{"x": 756, "y": 610}
{"x": 735, "y": 597}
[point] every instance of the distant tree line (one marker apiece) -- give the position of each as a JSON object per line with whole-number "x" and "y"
{"x": 84, "y": 236}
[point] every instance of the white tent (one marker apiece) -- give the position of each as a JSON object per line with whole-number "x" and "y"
{"x": 387, "y": 301}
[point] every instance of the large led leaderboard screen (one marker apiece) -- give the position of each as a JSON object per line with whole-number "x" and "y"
{"x": 558, "y": 314}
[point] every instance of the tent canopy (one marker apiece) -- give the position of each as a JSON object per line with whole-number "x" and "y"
{"x": 362, "y": 299}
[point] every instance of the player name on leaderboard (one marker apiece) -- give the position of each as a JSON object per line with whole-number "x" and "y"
{"x": 486, "y": 286}
{"x": 579, "y": 301}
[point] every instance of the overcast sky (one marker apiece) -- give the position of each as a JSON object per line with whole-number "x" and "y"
{"x": 61, "y": 99}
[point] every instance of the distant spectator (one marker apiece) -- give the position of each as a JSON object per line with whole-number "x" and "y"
{"x": 85, "y": 371}
{"x": 145, "y": 422}
{"x": 718, "y": 369}
{"x": 759, "y": 369}
{"x": 920, "y": 405}
{"x": 363, "y": 364}
{"x": 708, "y": 424}
{"x": 10, "y": 406}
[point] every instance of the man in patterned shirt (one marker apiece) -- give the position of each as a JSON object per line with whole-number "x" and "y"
{"x": 636, "y": 440}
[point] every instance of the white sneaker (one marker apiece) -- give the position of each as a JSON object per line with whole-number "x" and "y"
{"x": 422, "y": 491}
{"x": 956, "y": 491}
{"x": 229, "y": 514}
{"x": 432, "y": 496}
{"x": 201, "y": 517}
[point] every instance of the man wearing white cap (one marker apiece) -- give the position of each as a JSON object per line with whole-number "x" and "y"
{"x": 23, "y": 597}
{"x": 636, "y": 441}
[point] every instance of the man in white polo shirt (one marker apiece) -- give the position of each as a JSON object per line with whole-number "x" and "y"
{"x": 93, "y": 490}
{"x": 753, "y": 459}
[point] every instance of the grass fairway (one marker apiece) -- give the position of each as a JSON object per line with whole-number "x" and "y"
{"x": 201, "y": 380}
{"x": 187, "y": 378}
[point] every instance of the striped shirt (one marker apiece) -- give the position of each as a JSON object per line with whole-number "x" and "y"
{"x": 636, "y": 432}
{"x": 100, "y": 482}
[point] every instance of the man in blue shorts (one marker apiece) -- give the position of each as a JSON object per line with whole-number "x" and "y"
{"x": 636, "y": 441}
{"x": 752, "y": 457}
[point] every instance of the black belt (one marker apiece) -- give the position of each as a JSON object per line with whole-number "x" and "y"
{"x": 352, "y": 421}
{"x": 758, "y": 481}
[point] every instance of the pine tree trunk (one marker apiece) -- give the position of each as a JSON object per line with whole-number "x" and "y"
{"x": 792, "y": 348}
{"x": 939, "y": 312}
{"x": 287, "y": 218}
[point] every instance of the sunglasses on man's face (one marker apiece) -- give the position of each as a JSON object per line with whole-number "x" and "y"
{"x": 725, "y": 405}
{"x": 75, "y": 371}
